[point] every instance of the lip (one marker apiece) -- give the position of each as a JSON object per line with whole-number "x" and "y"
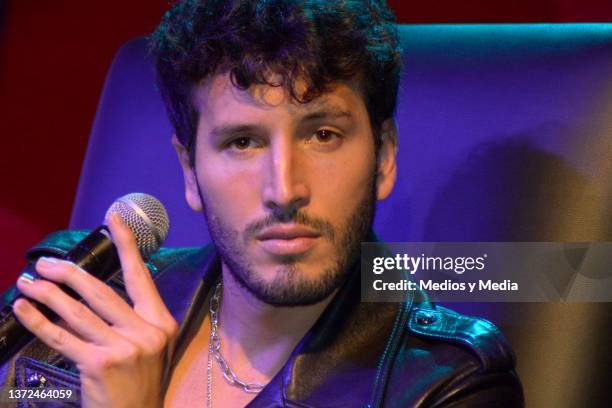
{"x": 287, "y": 231}
{"x": 287, "y": 239}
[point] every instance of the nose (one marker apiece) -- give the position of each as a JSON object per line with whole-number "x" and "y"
{"x": 285, "y": 190}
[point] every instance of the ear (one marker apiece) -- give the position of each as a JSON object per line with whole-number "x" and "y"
{"x": 191, "y": 181}
{"x": 387, "y": 170}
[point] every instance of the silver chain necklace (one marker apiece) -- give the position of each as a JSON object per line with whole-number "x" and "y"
{"x": 214, "y": 349}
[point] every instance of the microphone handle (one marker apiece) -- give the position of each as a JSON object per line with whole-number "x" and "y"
{"x": 95, "y": 253}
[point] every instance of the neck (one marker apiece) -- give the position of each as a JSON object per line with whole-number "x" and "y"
{"x": 258, "y": 335}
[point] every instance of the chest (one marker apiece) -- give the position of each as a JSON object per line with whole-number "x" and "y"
{"x": 188, "y": 385}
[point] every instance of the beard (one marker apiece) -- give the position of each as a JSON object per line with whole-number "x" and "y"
{"x": 291, "y": 286}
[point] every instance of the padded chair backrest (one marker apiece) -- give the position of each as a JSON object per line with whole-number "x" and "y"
{"x": 505, "y": 135}
{"x": 502, "y": 127}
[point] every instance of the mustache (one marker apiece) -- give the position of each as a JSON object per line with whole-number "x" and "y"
{"x": 320, "y": 225}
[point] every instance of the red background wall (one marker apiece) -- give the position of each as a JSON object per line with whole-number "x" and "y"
{"x": 53, "y": 59}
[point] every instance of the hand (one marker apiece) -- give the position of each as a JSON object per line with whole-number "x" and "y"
{"x": 120, "y": 351}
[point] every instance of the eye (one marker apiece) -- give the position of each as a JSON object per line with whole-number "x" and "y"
{"x": 242, "y": 143}
{"x": 324, "y": 140}
{"x": 325, "y": 136}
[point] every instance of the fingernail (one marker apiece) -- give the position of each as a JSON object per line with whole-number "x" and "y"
{"x": 21, "y": 305}
{"x": 117, "y": 218}
{"x": 48, "y": 261}
{"x": 27, "y": 278}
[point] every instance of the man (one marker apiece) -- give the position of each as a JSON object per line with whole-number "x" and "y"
{"x": 283, "y": 113}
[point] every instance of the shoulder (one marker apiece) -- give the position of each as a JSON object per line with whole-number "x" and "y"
{"x": 60, "y": 242}
{"x": 449, "y": 359}
{"x": 38, "y": 359}
{"x": 478, "y": 336}
{"x": 183, "y": 259}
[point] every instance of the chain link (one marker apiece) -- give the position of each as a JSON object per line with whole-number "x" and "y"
{"x": 214, "y": 349}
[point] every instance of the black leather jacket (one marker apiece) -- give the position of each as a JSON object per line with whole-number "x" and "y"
{"x": 413, "y": 354}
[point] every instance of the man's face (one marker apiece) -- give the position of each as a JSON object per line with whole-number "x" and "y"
{"x": 288, "y": 189}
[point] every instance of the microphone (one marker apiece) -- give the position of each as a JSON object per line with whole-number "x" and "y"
{"x": 96, "y": 253}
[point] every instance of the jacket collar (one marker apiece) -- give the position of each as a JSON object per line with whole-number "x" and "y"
{"x": 344, "y": 358}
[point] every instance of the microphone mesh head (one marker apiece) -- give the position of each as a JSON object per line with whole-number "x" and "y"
{"x": 146, "y": 217}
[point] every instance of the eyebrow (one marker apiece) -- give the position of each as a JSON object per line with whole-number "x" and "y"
{"x": 235, "y": 130}
{"x": 318, "y": 113}
{"x": 327, "y": 112}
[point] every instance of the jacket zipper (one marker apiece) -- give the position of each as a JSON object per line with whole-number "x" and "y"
{"x": 384, "y": 365}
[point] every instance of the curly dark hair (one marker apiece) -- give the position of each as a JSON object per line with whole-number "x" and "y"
{"x": 316, "y": 41}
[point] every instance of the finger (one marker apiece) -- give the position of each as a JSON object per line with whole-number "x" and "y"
{"x": 100, "y": 297}
{"x": 78, "y": 316}
{"x": 138, "y": 281}
{"x": 127, "y": 324}
{"x": 51, "y": 334}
